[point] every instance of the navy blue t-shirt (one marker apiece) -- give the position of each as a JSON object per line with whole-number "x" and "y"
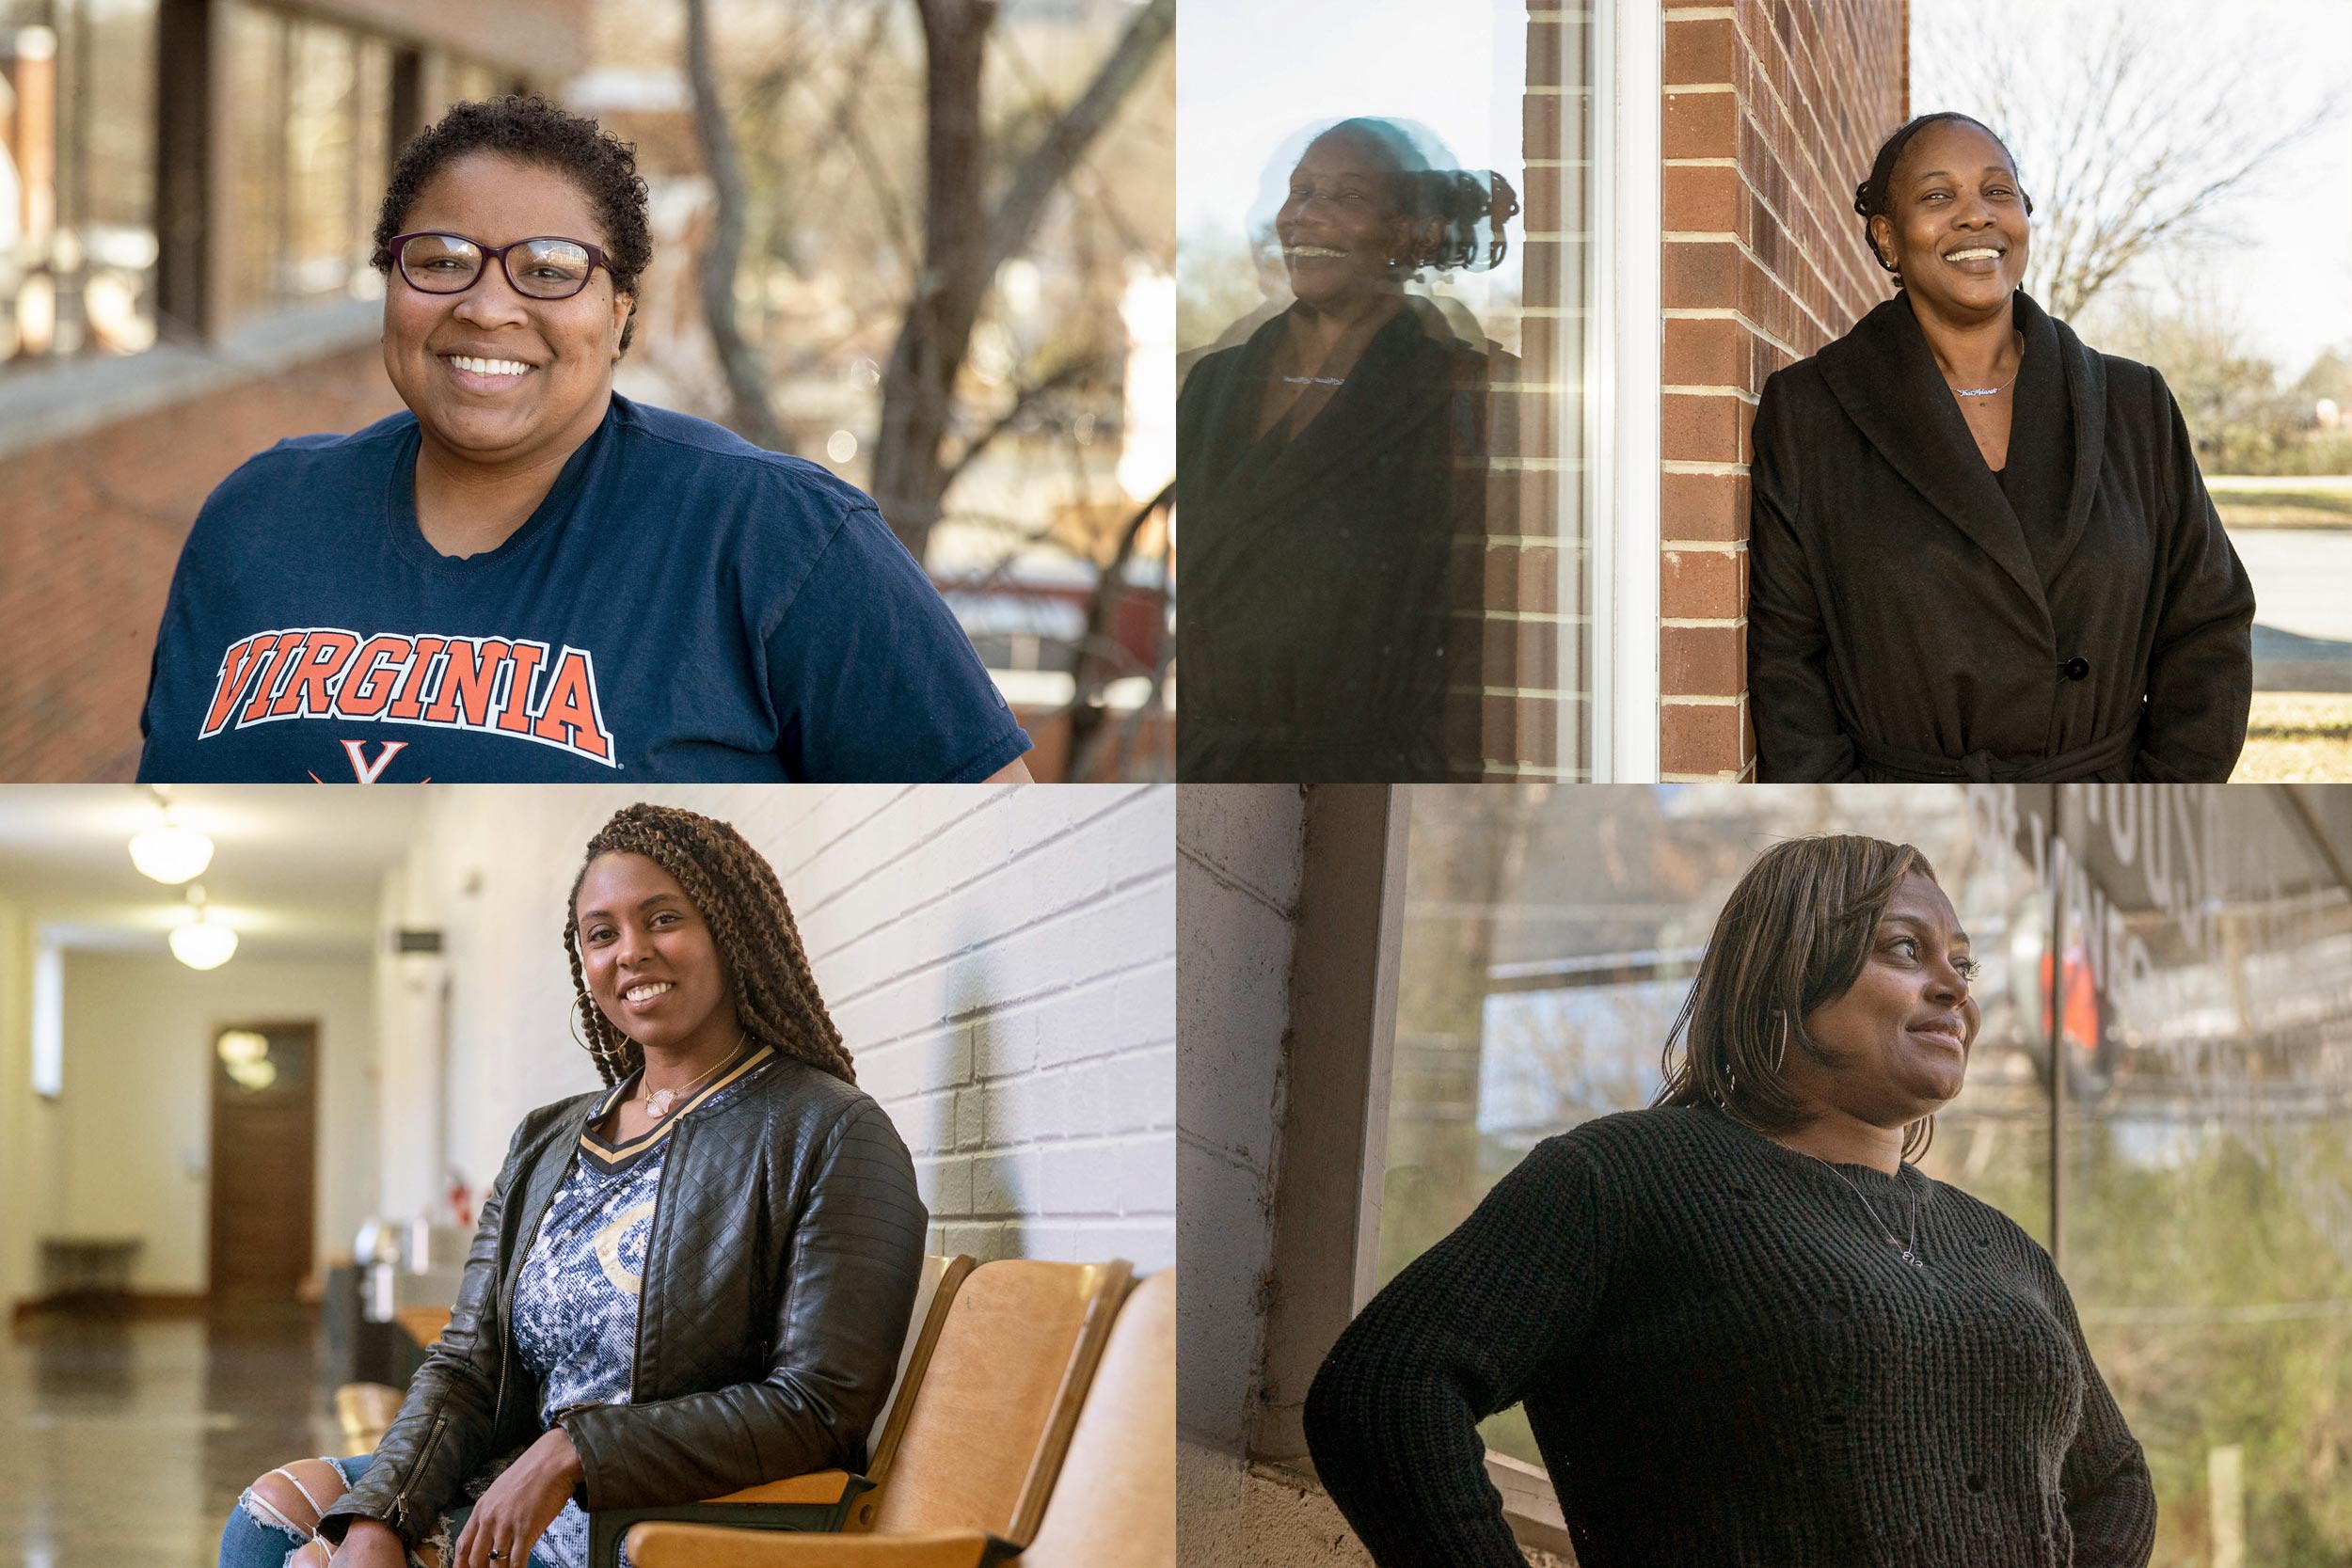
{"x": 682, "y": 605}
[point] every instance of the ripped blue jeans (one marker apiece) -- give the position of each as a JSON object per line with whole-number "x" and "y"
{"x": 257, "y": 1536}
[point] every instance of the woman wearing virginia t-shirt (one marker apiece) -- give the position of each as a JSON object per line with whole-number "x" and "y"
{"x": 530, "y": 577}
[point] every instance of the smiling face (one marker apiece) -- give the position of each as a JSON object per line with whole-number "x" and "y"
{"x": 1903, "y": 1029}
{"x": 454, "y": 357}
{"x": 1958, "y": 230}
{"x": 648, "y": 957}
{"x": 1339, "y": 226}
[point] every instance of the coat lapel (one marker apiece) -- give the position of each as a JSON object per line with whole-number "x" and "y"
{"x": 1886, "y": 379}
{"x": 2086, "y": 392}
{"x": 1382, "y": 396}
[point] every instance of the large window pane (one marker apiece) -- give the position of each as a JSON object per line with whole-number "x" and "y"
{"x": 310, "y": 109}
{"x": 1382, "y": 264}
{"x": 2198, "y": 991}
{"x": 77, "y": 177}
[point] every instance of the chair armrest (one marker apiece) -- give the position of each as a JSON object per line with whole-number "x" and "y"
{"x": 818, "y": 1501}
{"x": 818, "y": 1486}
{"x": 671, "y": 1545}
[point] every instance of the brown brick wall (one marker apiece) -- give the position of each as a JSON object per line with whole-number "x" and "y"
{"x": 93, "y": 527}
{"x": 1512, "y": 615}
{"x": 1774, "y": 109}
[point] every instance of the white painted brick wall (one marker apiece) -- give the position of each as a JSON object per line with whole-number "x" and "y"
{"x": 1000, "y": 961}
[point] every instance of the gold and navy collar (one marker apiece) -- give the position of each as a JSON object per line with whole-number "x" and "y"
{"x": 611, "y": 1157}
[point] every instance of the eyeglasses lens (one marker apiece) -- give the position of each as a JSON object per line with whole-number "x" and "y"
{"x": 439, "y": 263}
{"x": 549, "y": 269}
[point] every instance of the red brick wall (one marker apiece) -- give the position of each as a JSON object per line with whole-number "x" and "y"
{"x": 91, "y": 531}
{"x": 1774, "y": 109}
{"x": 1510, "y": 610}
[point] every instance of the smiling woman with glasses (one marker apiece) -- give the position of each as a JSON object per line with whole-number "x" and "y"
{"x": 526, "y": 575}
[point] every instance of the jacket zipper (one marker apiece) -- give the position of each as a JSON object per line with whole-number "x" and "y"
{"x": 645, "y": 1278}
{"x": 399, "y": 1510}
{"x": 506, "y": 1288}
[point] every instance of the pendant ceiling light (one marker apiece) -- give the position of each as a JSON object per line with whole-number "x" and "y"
{"x": 203, "y": 942}
{"x": 170, "y": 852}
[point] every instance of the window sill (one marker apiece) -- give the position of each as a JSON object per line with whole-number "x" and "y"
{"x": 55, "y": 403}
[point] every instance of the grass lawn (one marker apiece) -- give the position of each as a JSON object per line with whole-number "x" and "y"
{"x": 2294, "y": 501}
{"x": 2297, "y": 737}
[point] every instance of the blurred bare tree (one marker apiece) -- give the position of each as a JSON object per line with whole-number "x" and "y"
{"x": 2134, "y": 125}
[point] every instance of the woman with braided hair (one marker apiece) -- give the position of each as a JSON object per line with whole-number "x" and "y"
{"x": 1980, "y": 550}
{"x": 691, "y": 1282}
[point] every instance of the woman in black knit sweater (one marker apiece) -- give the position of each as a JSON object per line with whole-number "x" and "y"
{"x": 1744, "y": 1330}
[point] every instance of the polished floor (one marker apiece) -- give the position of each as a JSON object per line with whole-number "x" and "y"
{"x": 127, "y": 1441}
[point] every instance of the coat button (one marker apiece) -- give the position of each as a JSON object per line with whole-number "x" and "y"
{"x": 2075, "y": 668}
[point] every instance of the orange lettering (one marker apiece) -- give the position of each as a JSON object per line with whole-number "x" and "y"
{"x": 570, "y": 716}
{"x": 307, "y": 687}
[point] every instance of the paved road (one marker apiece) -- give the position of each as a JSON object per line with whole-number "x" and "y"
{"x": 2303, "y": 592}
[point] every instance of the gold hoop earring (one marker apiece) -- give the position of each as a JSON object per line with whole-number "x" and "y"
{"x": 571, "y": 1020}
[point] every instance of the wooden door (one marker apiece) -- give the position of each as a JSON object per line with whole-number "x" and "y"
{"x": 265, "y": 1143}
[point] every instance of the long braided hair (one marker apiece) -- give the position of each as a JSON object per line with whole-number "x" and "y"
{"x": 1792, "y": 937}
{"x": 737, "y": 891}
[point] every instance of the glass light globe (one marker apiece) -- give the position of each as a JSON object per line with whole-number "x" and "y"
{"x": 172, "y": 854}
{"x": 204, "y": 944}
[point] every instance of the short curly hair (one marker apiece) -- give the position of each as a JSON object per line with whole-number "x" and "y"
{"x": 531, "y": 130}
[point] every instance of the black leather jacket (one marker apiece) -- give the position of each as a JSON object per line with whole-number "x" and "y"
{"x": 778, "y": 1279}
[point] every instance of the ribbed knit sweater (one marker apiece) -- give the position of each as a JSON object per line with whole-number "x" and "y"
{"x": 1724, "y": 1362}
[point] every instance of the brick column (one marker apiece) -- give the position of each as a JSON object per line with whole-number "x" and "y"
{"x": 1772, "y": 112}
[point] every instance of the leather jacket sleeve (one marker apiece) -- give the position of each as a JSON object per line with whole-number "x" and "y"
{"x": 849, "y": 1269}
{"x": 444, "y": 1426}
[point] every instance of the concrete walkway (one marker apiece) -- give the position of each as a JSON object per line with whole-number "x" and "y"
{"x": 2303, "y": 598}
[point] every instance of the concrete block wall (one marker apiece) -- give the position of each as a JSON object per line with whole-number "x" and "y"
{"x": 1774, "y": 109}
{"x": 1001, "y": 961}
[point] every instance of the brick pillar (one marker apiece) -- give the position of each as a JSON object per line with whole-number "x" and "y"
{"x": 1773, "y": 112}
{"x": 1534, "y": 708}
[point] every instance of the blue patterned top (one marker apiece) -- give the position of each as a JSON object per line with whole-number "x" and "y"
{"x": 575, "y": 1314}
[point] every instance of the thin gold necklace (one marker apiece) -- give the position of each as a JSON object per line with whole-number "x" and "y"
{"x": 658, "y": 1101}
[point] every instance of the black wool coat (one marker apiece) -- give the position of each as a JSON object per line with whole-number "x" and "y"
{"x": 1313, "y": 635}
{"x": 1912, "y": 616}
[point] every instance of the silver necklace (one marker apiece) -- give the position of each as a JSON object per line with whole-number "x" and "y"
{"x": 1988, "y": 391}
{"x": 1911, "y": 1230}
{"x": 1315, "y": 380}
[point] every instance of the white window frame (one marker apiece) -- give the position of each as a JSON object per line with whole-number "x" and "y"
{"x": 1622, "y": 403}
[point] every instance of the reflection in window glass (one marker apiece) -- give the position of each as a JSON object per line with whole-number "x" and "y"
{"x": 311, "y": 104}
{"x": 1381, "y": 302}
{"x": 2201, "y": 992}
{"x": 77, "y": 177}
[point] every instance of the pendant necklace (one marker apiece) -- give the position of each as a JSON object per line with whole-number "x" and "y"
{"x": 1911, "y": 1231}
{"x": 1988, "y": 391}
{"x": 1315, "y": 380}
{"x": 658, "y": 1101}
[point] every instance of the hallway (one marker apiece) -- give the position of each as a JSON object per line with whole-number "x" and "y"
{"x": 128, "y": 1440}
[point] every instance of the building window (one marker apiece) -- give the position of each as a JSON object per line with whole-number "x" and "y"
{"x": 1469, "y": 424}
{"x": 77, "y": 179}
{"x": 2161, "y": 1092}
{"x": 310, "y": 111}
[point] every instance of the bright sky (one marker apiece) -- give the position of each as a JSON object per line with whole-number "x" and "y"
{"x": 1250, "y": 75}
{"x": 2290, "y": 278}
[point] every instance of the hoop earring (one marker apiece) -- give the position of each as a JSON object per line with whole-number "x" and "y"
{"x": 571, "y": 1022}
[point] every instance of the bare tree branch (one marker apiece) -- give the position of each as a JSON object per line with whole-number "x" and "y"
{"x": 1050, "y": 161}
{"x": 2131, "y": 143}
{"x": 747, "y": 384}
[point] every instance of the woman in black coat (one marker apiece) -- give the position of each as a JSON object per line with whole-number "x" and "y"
{"x": 1983, "y": 550}
{"x": 1326, "y": 469}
